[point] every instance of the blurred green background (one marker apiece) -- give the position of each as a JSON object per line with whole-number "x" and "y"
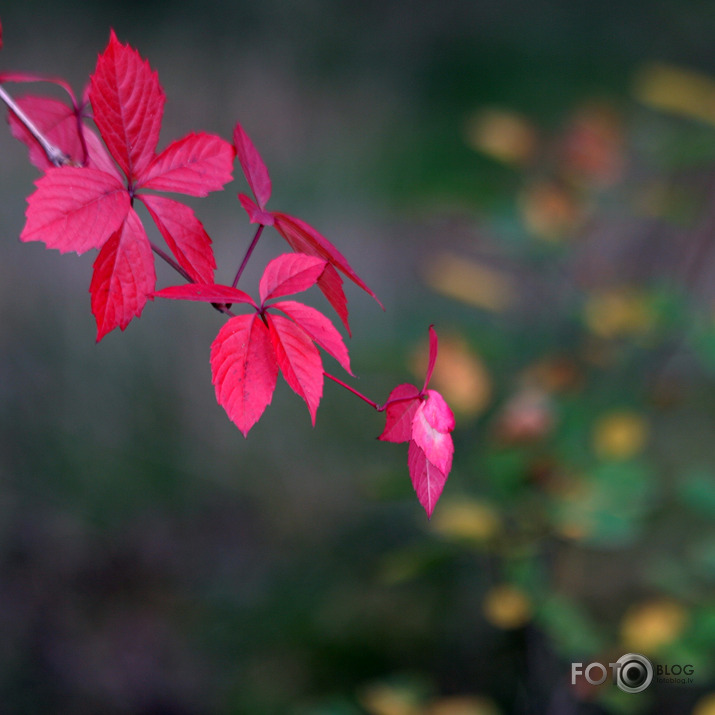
{"x": 538, "y": 180}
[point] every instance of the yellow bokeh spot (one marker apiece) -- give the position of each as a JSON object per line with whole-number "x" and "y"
{"x": 469, "y": 520}
{"x": 507, "y": 607}
{"x": 705, "y": 706}
{"x": 618, "y": 312}
{"x": 463, "y": 705}
{"x": 459, "y": 375}
{"x": 469, "y": 281}
{"x": 647, "y": 627}
{"x": 620, "y": 435}
{"x": 549, "y": 211}
{"x": 386, "y": 699}
{"x": 502, "y": 135}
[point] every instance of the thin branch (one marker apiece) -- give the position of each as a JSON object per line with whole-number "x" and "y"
{"x": 247, "y": 256}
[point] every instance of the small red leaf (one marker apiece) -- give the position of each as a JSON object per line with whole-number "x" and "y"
{"x": 331, "y": 284}
{"x": 255, "y": 213}
{"x": 303, "y": 238}
{"x": 253, "y": 167}
{"x": 289, "y": 273}
{"x": 123, "y": 278}
{"x": 427, "y": 479}
{"x": 402, "y": 404}
{"x": 244, "y": 369}
{"x": 128, "y": 105}
{"x": 299, "y": 360}
{"x": 185, "y": 236}
{"x": 433, "y": 344}
{"x": 195, "y": 165}
{"x": 318, "y": 327}
{"x": 75, "y": 209}
{"x": 431, "y": 416}
{"x": 206, "y": 293}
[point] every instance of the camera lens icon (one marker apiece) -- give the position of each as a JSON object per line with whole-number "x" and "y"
{"x": 634, "y": 674}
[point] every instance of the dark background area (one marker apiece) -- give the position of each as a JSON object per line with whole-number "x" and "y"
{"x": 536, "y": 179}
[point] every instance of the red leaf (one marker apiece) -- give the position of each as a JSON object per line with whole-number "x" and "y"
{"x": 195, "y": 165}
{"x": 128, "y": 105}
{"x": 305, "y": 239}
{"x": 253, "y": 167}
{"x": 289, "y": 273}
{"x": 185, "y": 236}
{"x": 437, "y": 412}
{"x": 206, "y": 293}
{"x": 255, "y": 214}
{"x": 433, "y": 344}
{"x": 299, "y": 360}
{"x": 318, "y": 327}
{"x": 427, "y": 479}
{"x": 437, "y": 446}
{"x": 25, "y": 77}
{"x": 331, "y": 284}
{"x": 75, "y": 209}
{"x": 402, "y": 404}
{"x": 123, "y": 278}
{"x": 244, "y": 369}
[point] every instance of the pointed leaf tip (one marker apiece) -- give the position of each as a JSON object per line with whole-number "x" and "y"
{"x": 253, "y": 166}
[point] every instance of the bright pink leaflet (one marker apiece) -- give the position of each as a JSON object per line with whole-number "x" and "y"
{"x": 422, "y": 418}
{"x": 79, "y": 208}
{"x": 301, "y": 237}
{"x": 249, "y": 350}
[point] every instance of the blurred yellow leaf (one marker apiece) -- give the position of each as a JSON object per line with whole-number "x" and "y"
{"x": 470, "y": 282}
{"x": 506, "y": 607}
{"x": 502, "y": 135}
{"x": 620, "y": 434}
{"x": 550, "y": 211}
{"x": 387, "y": 699}
{"x": 705, "y": 706}
{"x": 677, "y": 90}
{"x": 467, "y": 519}
{"x": 459, "y": 375}
{"x": 648, "y": 626}
{"x": 618, "y": 312}
{"x": 463, "y": 705}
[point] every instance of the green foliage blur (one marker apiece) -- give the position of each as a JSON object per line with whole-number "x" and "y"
{"x": 538, "y": 182}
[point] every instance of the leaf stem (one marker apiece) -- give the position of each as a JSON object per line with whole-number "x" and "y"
{"x": 54, "y": 154}
{"x": 372, "y": 404}
{"x": 259, "y": 231}
{"x": 168, "y": 259}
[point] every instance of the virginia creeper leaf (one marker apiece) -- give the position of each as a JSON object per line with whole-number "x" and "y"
{"x": 435, "y": 443}
{"x": 75, "y": 209}
{"x": 195, "y": 165}
{"x": 318, "y": 327}
{"x": 184, "y": 234}
{"x": 402, "y": 403}
{"x": 206, "y": 293}
{"x": 123, "y": 278}
{"x": 244, "y": 369}
{"x": 303, "y": 238}
{"x": 289, "y": 273}
{"x": 253, "y": 167}
{"x": 299, "y": 360}
{"x": 255, "y": 213}
{"x": 433, "y": 345}
{"x": 331, "y": 284}
{"x": 128, "y": 105}
{"x": 427, "y": 479}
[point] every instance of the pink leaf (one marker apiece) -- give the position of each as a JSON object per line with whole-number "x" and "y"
{"x": 255, "y": 214}
{"x": 433, "y": 344}
{"x": 318, "y": 327}
{"x": 185, "y": 236}
{"x": 194, "y": 165}
{"x": 25, "y": 77}
{"x": 305, "y": 239}
{"x": 436, "y": 443}
{"x": 331, "y": 284}
{"x": 128, "y": 105}
{"x": 253, "y": 167}
{"x": 123, "y": 278}
{"x": 206, "y": 293}
{"x": 289, "y": 273}
{"x": 427, "y": 479}
{"x": 75, "y": 209}
{"x": 402, "y": 404}
{"x": 244, "y": 369}
{"x": 299, "y": 360}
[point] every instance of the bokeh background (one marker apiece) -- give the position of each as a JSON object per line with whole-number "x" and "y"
{"x": 538, "y": 180}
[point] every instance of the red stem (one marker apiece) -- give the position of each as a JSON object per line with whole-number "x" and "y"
{"x": 259, "y": 231}
{"x": 372, "y": 404}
